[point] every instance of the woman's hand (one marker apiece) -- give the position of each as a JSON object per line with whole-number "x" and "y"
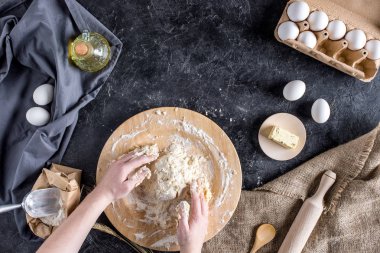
{"x": 192, "y": 230}
{"x": 121, "y": 178}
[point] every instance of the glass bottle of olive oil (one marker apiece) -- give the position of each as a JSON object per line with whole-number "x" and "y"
{"x": 90, "y": 51}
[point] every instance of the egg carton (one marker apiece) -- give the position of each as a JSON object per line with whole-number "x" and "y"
{"x": 363, "y": 15}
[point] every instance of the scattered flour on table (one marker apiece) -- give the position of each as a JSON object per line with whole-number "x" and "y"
{"x": 259, "y": 181}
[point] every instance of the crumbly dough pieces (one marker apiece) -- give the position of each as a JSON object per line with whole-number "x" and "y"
{"x": 149, "y": 150}
{"x": 175, "y": 170}
{"x": 202, "y": 186}
{"x": 172, "y": 175}
{"x": 183, "y": 208}
{"x": 141, "y": 174}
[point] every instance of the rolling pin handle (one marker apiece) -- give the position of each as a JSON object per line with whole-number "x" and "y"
{"x": 327, "y": 181}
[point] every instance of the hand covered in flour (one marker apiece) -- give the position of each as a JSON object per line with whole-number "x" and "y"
{"x": 192, "y": 228}
{"x": 124, "y": 175}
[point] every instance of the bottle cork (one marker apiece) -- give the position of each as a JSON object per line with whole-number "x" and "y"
{"x": 81, "y": 48}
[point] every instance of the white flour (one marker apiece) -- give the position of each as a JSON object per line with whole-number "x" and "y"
{"x": 165, "y": 242}
{"x": 125, "y": 137}
{"x": 139, "y": 236}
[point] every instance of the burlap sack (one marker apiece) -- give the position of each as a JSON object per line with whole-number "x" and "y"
{"x": 351, "y": 222}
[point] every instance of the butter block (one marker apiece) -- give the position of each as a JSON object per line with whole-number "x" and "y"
{"x": 283, "y": 137}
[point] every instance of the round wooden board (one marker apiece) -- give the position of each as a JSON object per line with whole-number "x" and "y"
{"x": 288, "y": 122}
{"x": 158, "y": 126}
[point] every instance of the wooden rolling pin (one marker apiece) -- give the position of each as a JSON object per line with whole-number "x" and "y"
{"x": 307, "y": 217}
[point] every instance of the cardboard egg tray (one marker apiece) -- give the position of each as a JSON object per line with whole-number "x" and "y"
{"x": 363, "y": 14}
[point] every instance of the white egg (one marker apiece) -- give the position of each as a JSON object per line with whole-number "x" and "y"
{"x": 337, "y": 29}
{"x": 298, "y": 11}
{"x": 37, "y": 116}
{"x": 308, "y": 38}
{"x": 320, "y": 111}
{"x": 288, "y": 31}
{"x": 43, "y": 94}
{"x": 356, "y": 39}
{"x": 318, "y": 20}
{"x": 373, "y": 48}
{"x": 294, "y": 90}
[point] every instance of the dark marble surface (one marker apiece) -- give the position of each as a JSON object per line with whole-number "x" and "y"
{"x": 218, "y": 58}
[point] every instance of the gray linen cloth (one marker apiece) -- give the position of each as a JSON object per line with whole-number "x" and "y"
{"x": 33, "y": 50}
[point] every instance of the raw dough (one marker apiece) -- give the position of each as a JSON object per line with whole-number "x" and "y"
{"x": 172, "y": 175}
{"x": 149, "y": 150}
{"x": 144, "y": 172}
{"x": 175, "y": 170}
{"x": 141, "y": 174}
{"x": 184, "y": 207}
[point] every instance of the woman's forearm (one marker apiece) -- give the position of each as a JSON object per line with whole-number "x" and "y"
{"x": 115, "y": 184}
{"x": 69, "y": 236}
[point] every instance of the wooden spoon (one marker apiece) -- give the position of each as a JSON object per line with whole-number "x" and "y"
{"x": 264, "y": 234}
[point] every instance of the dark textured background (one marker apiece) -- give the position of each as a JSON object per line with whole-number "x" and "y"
{"x": 219, "y": 58}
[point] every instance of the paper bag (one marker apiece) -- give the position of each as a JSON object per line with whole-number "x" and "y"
{"x": 68, "y": 181}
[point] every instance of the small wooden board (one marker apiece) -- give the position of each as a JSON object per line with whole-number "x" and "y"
{"x": 156, "y": 126}
{"x": 288, "y": 122}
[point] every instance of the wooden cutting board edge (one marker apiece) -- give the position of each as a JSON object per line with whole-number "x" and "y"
{"x": 188, "y": 114}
